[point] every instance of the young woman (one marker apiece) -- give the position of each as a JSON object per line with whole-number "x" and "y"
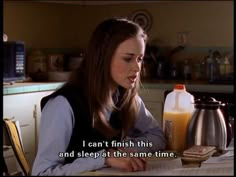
{"x": 99, "y": 105}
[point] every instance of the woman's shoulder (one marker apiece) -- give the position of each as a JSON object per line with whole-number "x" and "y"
{"x": 58, "y": 101}
{"x": 139, "y": 101}
{"x": 61, "y": 95}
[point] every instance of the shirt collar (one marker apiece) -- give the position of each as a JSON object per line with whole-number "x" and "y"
{"x": 115, "y": 96}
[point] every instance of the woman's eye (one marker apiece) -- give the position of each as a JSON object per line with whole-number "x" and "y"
{"x": 127, "y": 59}
{"x": 140, "y": 60}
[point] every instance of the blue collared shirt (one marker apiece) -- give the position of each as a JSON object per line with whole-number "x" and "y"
{"x": 55, "y": 134}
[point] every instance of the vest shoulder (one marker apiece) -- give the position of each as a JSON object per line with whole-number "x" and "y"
{"x": 72, "y": 94}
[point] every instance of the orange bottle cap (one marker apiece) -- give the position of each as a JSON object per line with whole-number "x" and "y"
{"x": 180, "y": 87}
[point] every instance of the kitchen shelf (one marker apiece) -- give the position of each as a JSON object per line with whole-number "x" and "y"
{"x": 27, "y": 87}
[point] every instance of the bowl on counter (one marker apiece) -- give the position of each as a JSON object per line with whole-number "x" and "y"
{"x": 58, "y": 76}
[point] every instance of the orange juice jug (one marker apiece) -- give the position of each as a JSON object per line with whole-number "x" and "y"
{"x": 178, "y": 109}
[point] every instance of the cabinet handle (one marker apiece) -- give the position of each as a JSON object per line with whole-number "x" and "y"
{"x": 35, "y": 111}
{"x": 35, "y": 126}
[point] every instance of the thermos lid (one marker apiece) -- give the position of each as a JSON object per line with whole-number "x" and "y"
{"x": 207, "y": 103}
{"x": 180, "y": 87}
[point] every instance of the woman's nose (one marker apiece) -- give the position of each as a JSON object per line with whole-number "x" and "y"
{"x": 137, "y": 66}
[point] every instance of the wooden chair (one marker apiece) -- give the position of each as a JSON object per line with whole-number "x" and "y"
{"x": 14, "y": 136}
{"x": 4, "y": 167}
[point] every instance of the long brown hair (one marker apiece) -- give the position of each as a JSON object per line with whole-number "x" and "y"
{"x": 95, "y": 77}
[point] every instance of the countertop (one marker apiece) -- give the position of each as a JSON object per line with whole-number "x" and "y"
{"x": 27, "y": 87}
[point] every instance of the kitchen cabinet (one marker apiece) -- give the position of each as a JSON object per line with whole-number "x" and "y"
{"x": 154, "y": 102}
{"x": 25, "y": 108}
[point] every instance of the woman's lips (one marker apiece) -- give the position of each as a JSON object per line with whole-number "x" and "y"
{"x": 132, "y": 78}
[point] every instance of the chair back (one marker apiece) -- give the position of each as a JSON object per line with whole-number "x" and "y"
{"x": 5, "y": 169}
{"x": 14, "y": 136}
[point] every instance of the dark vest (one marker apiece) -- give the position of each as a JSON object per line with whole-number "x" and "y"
{"x": 83, "y": 130}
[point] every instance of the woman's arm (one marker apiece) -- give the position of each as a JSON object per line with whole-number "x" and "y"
{"x": 57, "y": 122}
{"x": 147, "y": 129}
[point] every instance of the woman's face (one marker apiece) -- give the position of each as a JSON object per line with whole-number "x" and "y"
{"x": 126, "y": 62}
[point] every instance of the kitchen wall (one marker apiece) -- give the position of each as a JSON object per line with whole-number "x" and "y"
{"x": 53, "y": 25}
{"x": 66, "y": 28}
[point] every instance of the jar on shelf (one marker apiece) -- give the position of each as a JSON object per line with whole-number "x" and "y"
{"x": 196, "y": 73}
{"x": 203, "y": 70}
{"x": 187, "y": 70}
{"x": 55, "y": 62}
{"x": 37, "y": 66}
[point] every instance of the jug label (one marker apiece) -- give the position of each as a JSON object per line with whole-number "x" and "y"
{"x": 169, "y": 131}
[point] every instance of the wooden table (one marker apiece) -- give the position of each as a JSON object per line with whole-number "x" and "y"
{"x": 217, "y": 166}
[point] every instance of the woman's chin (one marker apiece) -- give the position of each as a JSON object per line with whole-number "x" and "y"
{"x": 128, "y": 86}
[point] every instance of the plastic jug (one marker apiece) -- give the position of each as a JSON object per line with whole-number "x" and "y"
{"x": 178, "y": 109}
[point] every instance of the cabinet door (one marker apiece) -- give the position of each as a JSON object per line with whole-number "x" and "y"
{"x": 154, "y": 101}
{"x": 153, "y": 95}
{"x": 26, "y": 109}
{"x": 156, "y": 109}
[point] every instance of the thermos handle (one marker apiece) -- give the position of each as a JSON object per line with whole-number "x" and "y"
{"x": 225, "y": 111}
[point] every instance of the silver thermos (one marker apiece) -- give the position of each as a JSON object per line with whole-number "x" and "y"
{"x": 207, "y": 125}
